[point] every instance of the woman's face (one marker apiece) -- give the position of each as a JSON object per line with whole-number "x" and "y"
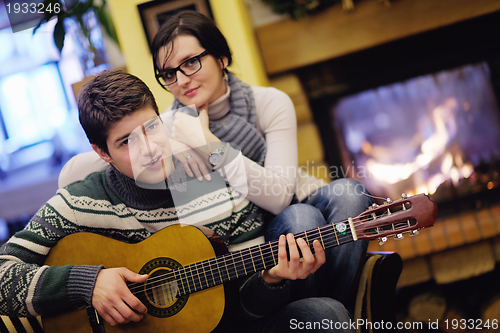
{"x": 201, "y": 88}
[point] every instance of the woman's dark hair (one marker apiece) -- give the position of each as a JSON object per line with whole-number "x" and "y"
{"x": 108, "y": 98}
{"x": 194, "y": 24}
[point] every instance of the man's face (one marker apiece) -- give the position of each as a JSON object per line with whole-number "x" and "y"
{"x": 139, "y": 147}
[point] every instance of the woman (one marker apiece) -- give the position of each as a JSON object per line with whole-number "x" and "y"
{"x": 190, "y": 57}
{"x": 249, "y": 136}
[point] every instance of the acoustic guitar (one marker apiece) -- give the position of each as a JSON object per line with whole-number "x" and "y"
{"x": 191, "y": 273}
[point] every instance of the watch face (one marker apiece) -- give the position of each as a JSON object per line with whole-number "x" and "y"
{"x": 215, "y": 159}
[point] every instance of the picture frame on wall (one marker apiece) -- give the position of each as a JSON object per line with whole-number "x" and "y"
{"x": 155, "y": 13}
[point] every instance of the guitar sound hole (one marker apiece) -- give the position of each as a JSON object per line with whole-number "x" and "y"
{"x": 161, "y": 289}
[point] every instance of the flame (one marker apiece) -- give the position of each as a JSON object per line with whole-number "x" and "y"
{"x": 433, "y": 149}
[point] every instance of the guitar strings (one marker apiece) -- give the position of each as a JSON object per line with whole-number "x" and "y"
{"x": 221, "y": 262}
{"x": 263, "y": 254}
{"x": 264, "y": 251}
{"x": 310, "y": 235}
{"x": 313, "y": 234}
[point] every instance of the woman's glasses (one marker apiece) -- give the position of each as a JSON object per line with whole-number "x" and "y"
{"x": 188, "y": 68}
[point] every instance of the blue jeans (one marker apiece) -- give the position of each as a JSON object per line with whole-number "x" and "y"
{"x": 322, "y": 314}
{"x": 338, "y": 278}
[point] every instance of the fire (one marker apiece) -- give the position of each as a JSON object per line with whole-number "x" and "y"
{"x": 437, "y": 149}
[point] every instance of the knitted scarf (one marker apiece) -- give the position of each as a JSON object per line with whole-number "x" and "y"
{"x": 239, "y": 127}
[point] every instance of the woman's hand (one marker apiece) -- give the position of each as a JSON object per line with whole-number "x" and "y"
{"x": 194, "y": 131}
{"x": 297, "y": 267}
{"x": 192, "y": 161}
{"x": 113, "y": 300}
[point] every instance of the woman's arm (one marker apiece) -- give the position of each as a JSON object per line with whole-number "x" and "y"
{"x": 271, "y": 186}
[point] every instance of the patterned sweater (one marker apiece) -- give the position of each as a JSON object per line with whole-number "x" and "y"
{"x": 111, "y": 204}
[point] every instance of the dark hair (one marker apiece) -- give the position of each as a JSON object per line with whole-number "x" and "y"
{"x": 106, "y": 99}
{"x": 194, "y": 24}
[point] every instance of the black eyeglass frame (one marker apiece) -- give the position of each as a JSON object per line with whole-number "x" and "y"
{"x": 159, "y": 74}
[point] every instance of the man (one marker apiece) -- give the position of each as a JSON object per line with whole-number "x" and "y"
{"x": 130, "y": 201}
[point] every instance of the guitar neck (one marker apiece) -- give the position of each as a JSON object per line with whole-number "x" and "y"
{"x": 392, "y": 218}
{"x": 209, "y": 273}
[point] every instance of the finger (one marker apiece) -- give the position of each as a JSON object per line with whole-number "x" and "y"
{"x": 307, "y": 259}
{"x": 204, "y": 170}
{"x": 135, "y": 304}
{"x": 319, "y": 254}
{"x": 203, "y": 107}
{"x": 186, "y": 166}
{"x": 282, "y": 256}
{"x": 293, "y": 251}
{"x": 203, "y": 117}
{"x": 191, "y": 166}
{"x": 132, "y": 303}
{"x": 126, "y": 314}
{"x": 194, "y": 163}
{"x": 108, "y": 318}
{"x": 128, "y": 275}
{"x": 199, "y": 167}
{"x": 127, "y": 296}
{"x": 111, "y": 315}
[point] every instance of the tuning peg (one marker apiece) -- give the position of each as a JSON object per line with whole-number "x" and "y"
{"x": 413, "y": 232}
{"x": 404, "y": 196}
{"x": 398, "y": 236}
{"x": 382, "y": 240}
{"x": 388, "y": 200}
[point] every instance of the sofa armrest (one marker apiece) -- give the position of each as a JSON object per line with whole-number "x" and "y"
{"x": 376, "y": 293}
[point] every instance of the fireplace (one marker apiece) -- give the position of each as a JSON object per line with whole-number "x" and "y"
{"x": 341, "y": 59}
{"x": 420, "y": 114}
{"x": 437, "y": 133}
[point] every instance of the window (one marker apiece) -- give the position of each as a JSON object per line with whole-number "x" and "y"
{"x": 37, "y": 105}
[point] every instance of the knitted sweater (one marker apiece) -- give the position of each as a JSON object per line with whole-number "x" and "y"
{"x": 111, "y": 204}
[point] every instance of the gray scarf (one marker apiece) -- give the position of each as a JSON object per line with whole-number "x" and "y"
{"x": 239, "y": 127}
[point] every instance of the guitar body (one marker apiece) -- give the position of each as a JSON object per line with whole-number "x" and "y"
{"x": 198, "y": 312}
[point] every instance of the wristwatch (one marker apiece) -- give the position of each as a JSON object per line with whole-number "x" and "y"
{"x": 216, "y": 156}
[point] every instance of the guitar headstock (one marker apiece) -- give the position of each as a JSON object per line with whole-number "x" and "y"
{"x": 406, "y": 215}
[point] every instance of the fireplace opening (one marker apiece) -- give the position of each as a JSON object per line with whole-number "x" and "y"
{"x": 437, "y": 134}
{"x": 421, "y": 114}
{"x": 415, "y": 115}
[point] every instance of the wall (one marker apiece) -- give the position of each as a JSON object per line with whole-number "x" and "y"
{"x": 290, "y": 44}
{"x": 230, "y": 15}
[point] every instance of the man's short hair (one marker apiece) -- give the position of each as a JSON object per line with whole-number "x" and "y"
{"x": 106, "y": 99}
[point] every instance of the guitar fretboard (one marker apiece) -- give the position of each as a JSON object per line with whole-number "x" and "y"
{"x": 209, "y": 273}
